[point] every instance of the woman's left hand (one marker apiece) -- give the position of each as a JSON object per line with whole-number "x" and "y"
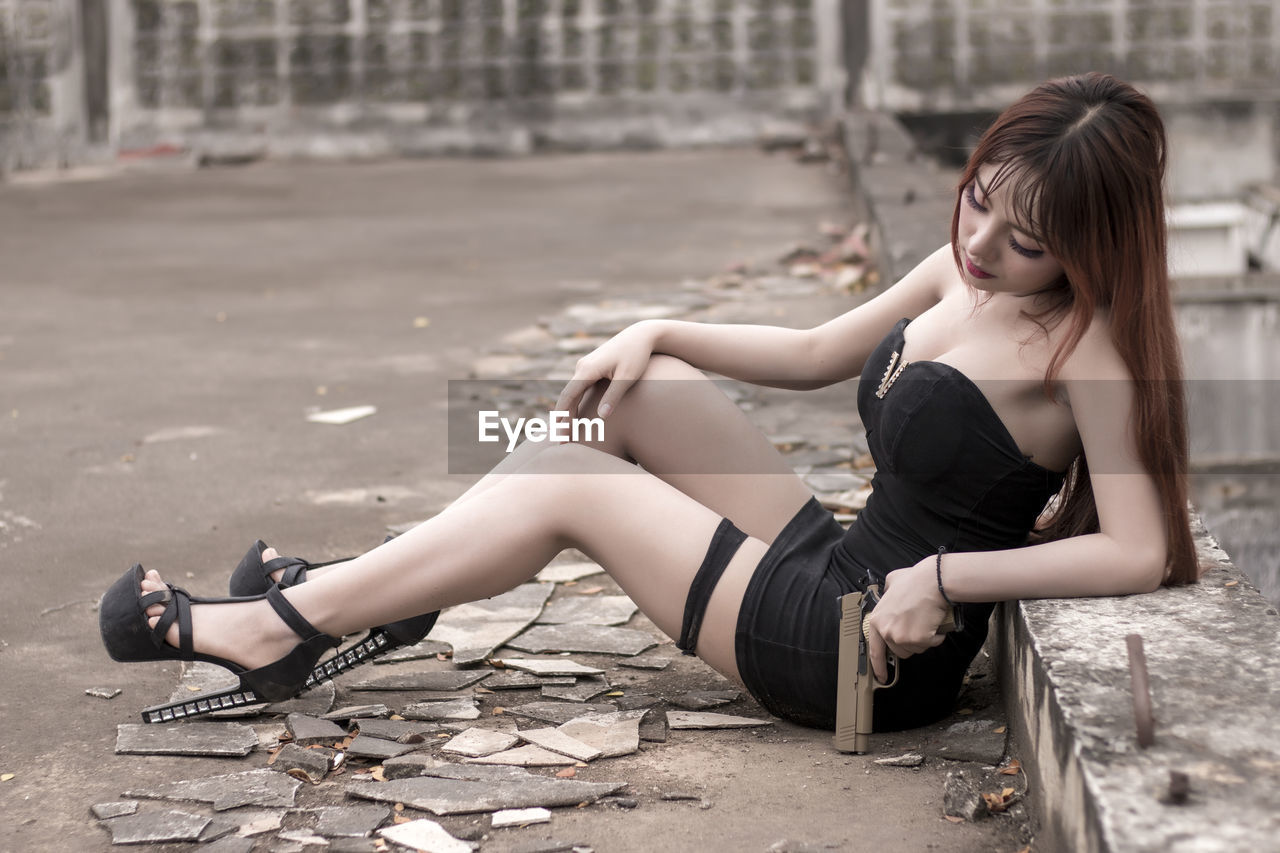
{"x": 906, "y": 618}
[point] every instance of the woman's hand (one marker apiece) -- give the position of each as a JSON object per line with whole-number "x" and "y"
{"x": 906, "y": 619}
{"x": 619, "y": 361}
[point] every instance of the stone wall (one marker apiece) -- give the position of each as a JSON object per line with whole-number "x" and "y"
{"x": 408, "y": 76}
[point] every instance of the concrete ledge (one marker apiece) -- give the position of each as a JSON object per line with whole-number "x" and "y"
{"x": 1213, "y": 653}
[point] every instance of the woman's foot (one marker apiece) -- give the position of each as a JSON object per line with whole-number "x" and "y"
{"x": 313, "y": 571}
{"x": 246, "y": 632}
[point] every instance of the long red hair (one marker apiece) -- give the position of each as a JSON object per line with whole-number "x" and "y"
{"x": 1084, "y": 158}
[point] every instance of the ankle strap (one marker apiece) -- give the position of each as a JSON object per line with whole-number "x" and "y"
{"x": 291, "y": 617}
{"x": 295, "y": 570}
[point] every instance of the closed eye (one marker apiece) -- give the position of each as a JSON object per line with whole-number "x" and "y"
{"x": 1023, "y": 250}
{"x": 971, "y": 197}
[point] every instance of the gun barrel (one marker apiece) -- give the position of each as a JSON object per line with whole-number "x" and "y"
{"x": 850, "y": 684}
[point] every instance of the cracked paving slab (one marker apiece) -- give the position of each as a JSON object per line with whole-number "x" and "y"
{"x": 478, "y": 742}
{"x": 583, "y": 638}
{"x": 193, "y": 738}
{"x": 702, "y": 720}
{"x": 477, "y": 629}
{"x": 614, "y": 733}
{"x": 438, "y": 681}
{"x": 156, "y": 827}
{"x": 606, "y": 610}
{"x": 585, "y": 690}
{"x": 251, "y": 788}
{"x": 443, "y": 796}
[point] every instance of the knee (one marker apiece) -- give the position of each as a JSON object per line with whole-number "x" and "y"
{"x": 669, "y": 367}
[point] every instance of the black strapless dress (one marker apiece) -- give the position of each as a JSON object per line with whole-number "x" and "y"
{"x": 948, "y": 473}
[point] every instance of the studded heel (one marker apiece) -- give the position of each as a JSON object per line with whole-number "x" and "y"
{"x": 123, "y": 621}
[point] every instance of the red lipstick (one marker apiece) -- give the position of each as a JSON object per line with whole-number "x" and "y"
{"x": 975, "y": 270}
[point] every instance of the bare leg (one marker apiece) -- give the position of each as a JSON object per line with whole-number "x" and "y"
{"x": 648, "y": 535}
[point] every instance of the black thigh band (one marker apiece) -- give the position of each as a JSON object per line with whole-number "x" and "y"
{"x": 724, "y": 544}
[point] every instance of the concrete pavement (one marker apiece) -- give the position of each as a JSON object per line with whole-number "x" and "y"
{"x": 161, "y": 336}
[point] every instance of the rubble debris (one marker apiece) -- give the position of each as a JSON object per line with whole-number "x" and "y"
{"x": 446, "y": 680}
{"x": 583, "y": 638}
{"x": 302, "y": 837}
{"x": 525, "y": 756}
{"x": 477, "y": 629}
{"x": 907, "y": 759}
{"x": 103, "y": 692}
{"x": 341, "y": 417}
{"x": 559, "y": 712}
{"x": 443, "y": 796}
{"x": 155, "y": 827}
{"x": 560, "y": 666}
{"x": 308, "y": 730}
{"x": 565, "y": 572}
{"x": 585, "y": 690}
{"x": 219, "y": 827}
{"x": 515, "y": 680}
{"x": 971, "y": 740}
{"x": 475, "y": 742}
{"x": 605, "y": 610}
{"x": 616, "y": 733}
{"x": 653, "y": 728}
{"x": 454, "y": 709}
{"x": 654, "y": 659}
{"x": 106, "y": 811}
{"x": 558, "y": 741}
{"x": 233, "y": 844}
{"x": 636, "y": 701}
{"x": 426, "y": 650}
{"x": 701, "y": 700}
{"x": 350, "y": 821}
{"x": 260, "y": 787}
{"x": 427, "y": 836}
{"x": 310, "y": 765}
{"x": 397, "y": 730}
{"x": 410, "y": 765}
{"x": 357, "y": 712}
{"x": 961, "y": 798}
{"x": 190, "y": 738}
{"x": 702, "y": 720}
{"x": 376, "y": 748}
{"x": 519, "y": 817}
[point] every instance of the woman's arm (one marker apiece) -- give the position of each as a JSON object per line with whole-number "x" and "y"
{"x": 764, "y": 355}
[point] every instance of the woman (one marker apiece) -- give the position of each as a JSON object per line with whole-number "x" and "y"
{"x": 1040, "y": 338}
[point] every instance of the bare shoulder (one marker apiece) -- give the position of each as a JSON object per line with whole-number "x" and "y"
{"x": 1096, "y": 356}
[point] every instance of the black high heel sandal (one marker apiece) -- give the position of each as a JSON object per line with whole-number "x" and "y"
{"x": 122, "y": 619}
{"x": 253, "y": 576}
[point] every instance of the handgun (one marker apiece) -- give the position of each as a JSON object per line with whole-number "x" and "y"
{"x": 856, "y": 680}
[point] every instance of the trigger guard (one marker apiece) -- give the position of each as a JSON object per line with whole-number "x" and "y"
{"x": 891, "y": 660}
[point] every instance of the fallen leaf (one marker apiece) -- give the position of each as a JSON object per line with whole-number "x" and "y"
{"x": 400, "y": 819}
{"x": 378, "y": 776}
{"x": 994, "y": 802}
{"x": 421, "y": 322}
{"x": 1013, "y": 769}
{"x": 299, "y": 773}
{"x": 615, "y": 693}
{"x": 591, "y": 590}
{"x": 1001, "y": 730}
{"x": 499, "y": 710}
{"x": 566, "y": 773}
{"x": 396, "y": 717}
{"x": 953, "y": 818}
{"x": 398, "y": 807}
{"x": 964, "y": 712}
{"x": 1231, "y": 583}
{"x": 1006, "y": 793}
{"x": 5, "y": 777}
{"x": 487, "y": 690}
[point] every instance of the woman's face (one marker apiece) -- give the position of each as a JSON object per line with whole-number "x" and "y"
{"x": 997, "y": 251}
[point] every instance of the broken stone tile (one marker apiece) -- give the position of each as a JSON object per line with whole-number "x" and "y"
{"x": 316, "y": 701}
{"x": 616, "y": 733}
{"x": 307, "y": 730}
{"x": 701, "y": 720}
{"x": 312, "y": 765}
{"x": 303, "y": 838}
{"x": 832, "y": 480}
{"x": 907, "y": 759}
{"x": 583, "y": 638}
{"x": 525, "y": 756}
{"x": 457, "y": 709}
{"x": 425, "y": 650}
{"x": 443, "y": 796}
{"x": 701, "y": 700}
{"x": 589, "y": 610}
{"x": 961, "y": 798}
{"x": 219, "y": 827}
{"x": 655, "y": 659}
{"x": 558, "y": 666}
{"x": 194, "y": 738}
{"x": 251, "y": 788}
{"x": 358, "y": 712}
{"x": 557, "y": 741}
{"x": 475, "y": 630}
{"x": 258, "y": 822}
{"x": 476, "y": 742}
{"x": 558, "y": 712}
{"x": 396, "y": 730}
{"x": 549, "y": 845}
{"x": 229, "y": 845}
{"x": 519, "y": 817}
{"x": 364, "y": 746}
{"x": 585, "y": 689}
{"x": 447, "y": 680}
{"x": 356, "y": 845}
{"x": 106, "y": 811}
{"x": 636, "y": 701}
{"x": 565, "y": 572}
{"x": 653, "y": 727}
{"x": 350, "y": 821}
{"x": 426, "y": 836}
{"x": 201, "y": 677}
{"x": 156, "y": 827}
{"x": 103, "y": 692}
{"x": 408, "y": 766}
{"x": 513, "y": 680}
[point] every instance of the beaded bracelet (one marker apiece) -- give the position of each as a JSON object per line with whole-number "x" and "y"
{"x": 942, "y": 549}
